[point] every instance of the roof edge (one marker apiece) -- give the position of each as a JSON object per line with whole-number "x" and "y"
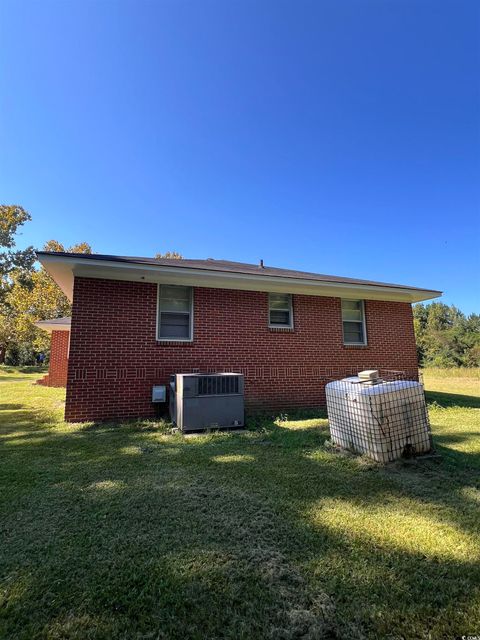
{"x": 270, "y": 272}
{"x": 54, "y": 324}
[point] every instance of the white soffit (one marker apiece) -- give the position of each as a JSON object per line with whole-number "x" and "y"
{"x": 56, "y": 324}
{"x": 63, "y": 269}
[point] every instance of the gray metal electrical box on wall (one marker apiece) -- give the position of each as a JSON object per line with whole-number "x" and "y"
{"x": 159, "y": 393}
{"x": 205, "y": 401}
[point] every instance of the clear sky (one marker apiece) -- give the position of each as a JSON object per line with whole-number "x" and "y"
{"x": 336, "y": 136}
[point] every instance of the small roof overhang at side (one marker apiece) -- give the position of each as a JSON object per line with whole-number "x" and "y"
{"x": 54, "y": 324}
{"x": 65, "y": 267}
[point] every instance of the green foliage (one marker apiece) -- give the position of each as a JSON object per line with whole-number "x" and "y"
{"x": 54, "y": 245}
{"x": 11, "y": 218}
{"x": 20, "y": 354}
{"x": 445, "y": 336}
{"x": 169, "y": 254}
{"x": 26, "y": 294}
{"x": 42, "y": 299}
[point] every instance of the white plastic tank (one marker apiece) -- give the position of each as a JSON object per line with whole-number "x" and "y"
{"x": 384, "y": 420}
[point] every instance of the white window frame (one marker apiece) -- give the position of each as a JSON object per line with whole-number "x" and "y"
{"x": 363, "y": 321}
{"x": 190, "y": 326}
{"x": 290, "y": 310}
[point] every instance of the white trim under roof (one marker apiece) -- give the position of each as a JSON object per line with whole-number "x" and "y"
{"x": 64, "y": 269}
{"x": 54, "y": 324}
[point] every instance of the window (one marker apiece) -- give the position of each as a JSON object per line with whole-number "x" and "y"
{"x": 174, "y": 312}
{"x": 353, "y": 318}
{"x": 280, "y": 310}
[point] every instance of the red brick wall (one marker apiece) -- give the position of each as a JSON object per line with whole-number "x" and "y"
{"x": 115, "y": 358}
{"x": 58, "y": 367}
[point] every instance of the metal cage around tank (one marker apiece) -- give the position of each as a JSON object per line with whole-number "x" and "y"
{"x": 385, "y": 418}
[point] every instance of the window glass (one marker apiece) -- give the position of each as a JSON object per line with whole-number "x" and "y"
{"x": 280, "y": 310}
{"x": 173, "y": 305}
{"x": 279, "y": 301}
{"x": 353, "y": 319}
{"x": 353, "y": 332}
{"x": 280, "y": 317}
{"x": 175, "y": 312}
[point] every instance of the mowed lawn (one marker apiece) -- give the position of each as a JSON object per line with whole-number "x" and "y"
{"x": 126, "y": 531}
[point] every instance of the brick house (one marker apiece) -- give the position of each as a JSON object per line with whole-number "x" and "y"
{"x": 59, "y": 329}
{"x": 135, "y": 321}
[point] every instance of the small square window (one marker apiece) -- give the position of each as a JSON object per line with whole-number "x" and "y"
{"x": 280, "y": 310}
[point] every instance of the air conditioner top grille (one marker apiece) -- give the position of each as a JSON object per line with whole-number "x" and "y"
{"x": 217, "y": 385}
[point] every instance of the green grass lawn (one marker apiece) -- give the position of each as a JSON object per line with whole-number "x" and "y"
{"x": 129, "y": 532}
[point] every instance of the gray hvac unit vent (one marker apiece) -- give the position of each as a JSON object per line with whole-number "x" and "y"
{"x": 205, "y": 401}
{"x": 218, "y": 385}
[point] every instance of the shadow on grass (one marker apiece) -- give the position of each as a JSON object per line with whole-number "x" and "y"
{"x": 464, "y": 460}
{"x": 34, "y": 422}
{"x": 457, "y": 437}
{"x": 467, "y": 463}
{"x": 122, "y": 529}
{"x": 19, "y": 378}
{"x": 11, "y": 406}
{"x": 23, "y": 369}
{"x": 452, "y": 400}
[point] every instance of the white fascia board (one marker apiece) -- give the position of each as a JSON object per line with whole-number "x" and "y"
{"x": 64, "y": 269}
{"x": 51, "y": 326}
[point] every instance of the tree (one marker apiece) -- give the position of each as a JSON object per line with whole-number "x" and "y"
{"x": 42, "y": 299}
{"x": 445, "y": 336}
{"x": 7, "y": 330}
{"x": 54, "y": 245}
{"x": 169, "y": 254}
{"x": 12, "y": 217}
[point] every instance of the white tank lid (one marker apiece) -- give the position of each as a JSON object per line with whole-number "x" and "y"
{"x": 368, "y": 374}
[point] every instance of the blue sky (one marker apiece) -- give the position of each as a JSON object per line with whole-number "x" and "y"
{"x": 336, "y": 136}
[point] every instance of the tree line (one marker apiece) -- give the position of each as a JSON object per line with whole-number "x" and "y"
{"x": 445, "y": 336}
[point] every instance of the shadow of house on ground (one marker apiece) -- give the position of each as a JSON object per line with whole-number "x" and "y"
{"x": 461, "y": 450}
{"x": 125, "y": 530}
{"x": 34, "y": 422}
{"x": 452, "y": 399}
{"x": 11, "y": 406}
{"x": 456, "y": 431}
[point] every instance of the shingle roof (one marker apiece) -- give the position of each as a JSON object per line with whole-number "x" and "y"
{"x": 227, "y": 266}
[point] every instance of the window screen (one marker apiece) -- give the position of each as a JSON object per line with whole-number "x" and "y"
{"x": 353, "y": 318}
{"x": 280, "y": 310}
{"x": 175, "y": 312}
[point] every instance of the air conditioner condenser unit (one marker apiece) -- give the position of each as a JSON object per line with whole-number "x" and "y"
{"x": 207, "y": 401}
